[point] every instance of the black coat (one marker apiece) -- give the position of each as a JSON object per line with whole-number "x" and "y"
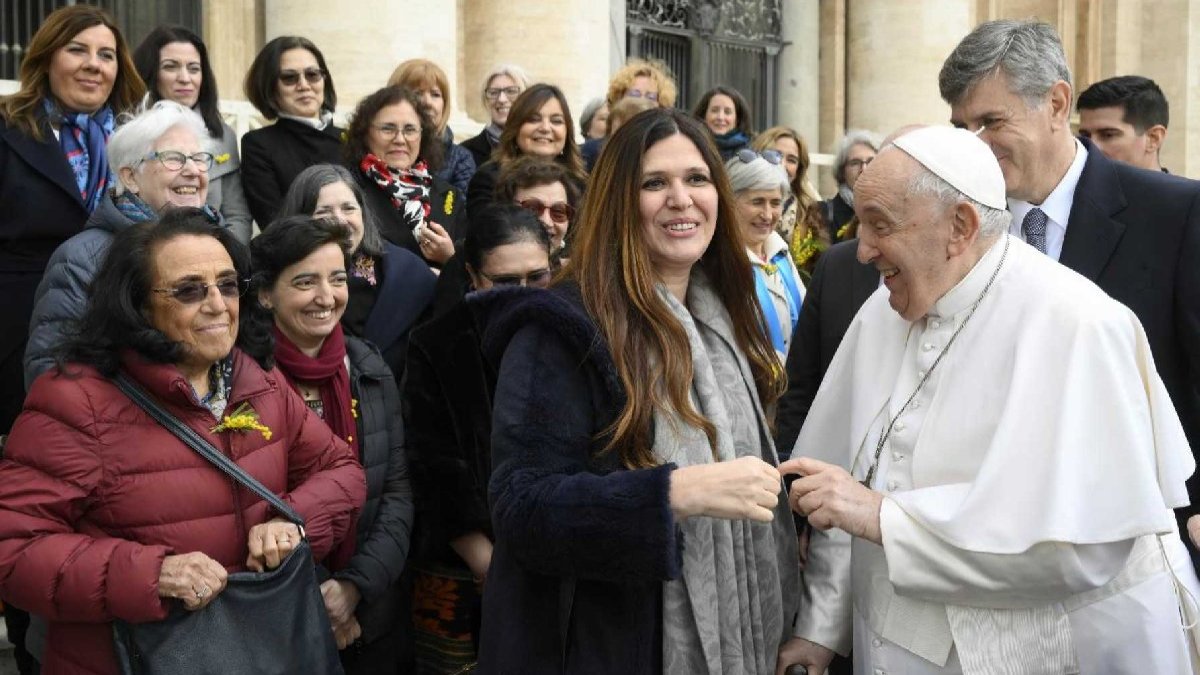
{"x": 40, "y": 208}
{"x": 1136, "y": 234}
{"x": 481, "y": 148}
{"x": 836, "y": 213}
{"x": 582, "y": 544}
{"x": 273, "y": 156}
{"x": 839, "y": 287}
{"x": 447, "y": 208}
{"x": 385, "y": 523}
{"x": 482, "y": 190}
{"x": 447, "y": 403}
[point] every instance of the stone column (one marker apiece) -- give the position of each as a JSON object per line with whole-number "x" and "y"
{"x": 799, "y": 77}
{"x": 364, "y": 40}
{"x": 567, "y": 42}
{"x": 233, "y": 36}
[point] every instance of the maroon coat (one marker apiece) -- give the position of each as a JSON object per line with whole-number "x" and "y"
{"x": 94, "y": 494}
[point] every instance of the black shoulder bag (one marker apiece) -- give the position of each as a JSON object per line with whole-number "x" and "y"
{"x": 263, "y": 622}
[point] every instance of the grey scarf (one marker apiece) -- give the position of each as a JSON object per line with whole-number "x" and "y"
{"x": 847, "y": 194}
{"x": 737, "y": 598}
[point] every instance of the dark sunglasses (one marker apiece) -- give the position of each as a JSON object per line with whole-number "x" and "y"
{"x": 560, "y": 212}
{"x": 537, "y": 278}
{"x": 746, "y": 155}
{"x": 290, "y": 78}
{"x": 191, "y": 292}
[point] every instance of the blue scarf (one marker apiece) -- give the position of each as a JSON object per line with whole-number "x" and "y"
{"x": 132, "y": 207}
{"x": 83, "y": 138}
{"x": 731, "y": 141}
{"x": 783, "y": 267}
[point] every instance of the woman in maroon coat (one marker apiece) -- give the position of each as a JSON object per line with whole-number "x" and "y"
{"x": 106, "y": 515}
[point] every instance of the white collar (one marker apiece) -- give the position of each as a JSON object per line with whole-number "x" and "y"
{"x": 773, "y": 246}
{"x": 318, "y": 124}
{"x": 967, "y": 291}
{"x": 1057, "y": 205}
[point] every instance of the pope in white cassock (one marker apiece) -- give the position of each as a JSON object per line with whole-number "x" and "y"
{"x": 1020, "y": 454}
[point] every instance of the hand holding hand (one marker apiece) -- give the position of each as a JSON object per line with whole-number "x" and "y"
{"x": 270, "y": 543}
{"x": 193, "y": 578}
{"x": 830, "y": 497}
{"x": 745, "y": 488}
{"x": 341, "y": 599}
{"x": 800, "y": 652}
{"x": 436, "y": 244}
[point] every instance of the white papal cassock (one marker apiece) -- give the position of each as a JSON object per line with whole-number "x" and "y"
{"x": 1027, "y": 524}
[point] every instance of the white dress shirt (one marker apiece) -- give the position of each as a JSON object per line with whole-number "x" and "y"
{"x": 1057, "y": 206}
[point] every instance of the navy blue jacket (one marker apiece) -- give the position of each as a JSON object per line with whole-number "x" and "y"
{"x": 582, "y": 544}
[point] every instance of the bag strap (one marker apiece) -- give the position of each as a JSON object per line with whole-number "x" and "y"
{"x": 203, "y": 448}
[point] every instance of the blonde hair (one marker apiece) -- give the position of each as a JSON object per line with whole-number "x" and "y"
{"x": 418, "y": 74}
{"x": 634, "y": 68}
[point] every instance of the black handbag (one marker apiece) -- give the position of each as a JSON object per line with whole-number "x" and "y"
{"x": 262, "y": 623}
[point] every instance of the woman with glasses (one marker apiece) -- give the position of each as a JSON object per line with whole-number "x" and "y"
{"x": 301, "y": 289}
{"x": 432, "y": 86}
{"x": 389, "y": 287}
{"x": 394, "y": 150}
{"x": 855, "y": 151}
{"x": 447, "y": 412}
{"x": 501, "y": 87}
{"x": 540, "y": 125}
{"x": 173, "y": 62}
{"x": 760, "y": 186}
{"x": 547, "y": 190}
{"x": 289, "y": 83}
{"x": 107, "y": 515}
{"x": 159, "y": 163}
{"x": 640, "y": 523}
{"x": 727, "y": 115}
{"x": 801, "y": 225}
{"x": 641, "y": 80}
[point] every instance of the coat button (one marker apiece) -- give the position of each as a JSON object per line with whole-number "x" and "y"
{"x": 935, "y": 324}
{"x": 893, "y": 485}
{"x": 897, "y": 456}
{"x": 899, "y": 426}
{"x": 920, "y": 374}
{"x": 877, "y": 643}
{"x": 928, "y": 346}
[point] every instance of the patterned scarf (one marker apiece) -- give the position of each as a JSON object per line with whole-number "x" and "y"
{"x": 408, "y": 190}
{"x": 220, "y": 386}
{"x": 82, "y": 138}
{"x": 132, "y": 207}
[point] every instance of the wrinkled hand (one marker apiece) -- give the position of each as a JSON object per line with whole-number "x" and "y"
{"x": 193, "y": 578}
{"x": 1193, "y": 528}
{"x": 436, "y": 244}
{"x": 476, "y": 550}
{"x": 270, "y": 543}
{"x": 830, "y": 497}
{"x": 347, "y": 633}
{"x": 745, "y": 488}
{"x": 801, "y": 652}
{"x": 341, "y": 600}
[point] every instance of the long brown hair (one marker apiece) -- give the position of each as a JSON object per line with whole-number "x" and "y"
{"x": 20, "y": 110}
{"x": 808, "y": 209}
{"x": 527, "y": 105}
{"x": 612, "y": 267}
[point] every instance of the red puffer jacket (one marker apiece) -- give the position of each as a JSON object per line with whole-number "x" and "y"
{"x": 94, "y": 494}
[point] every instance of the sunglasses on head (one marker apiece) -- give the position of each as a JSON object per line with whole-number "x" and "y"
{"x": 191, "y": 292}
{"x": 560, "y": 212}
{"x": 289, "y": 78}
{"x": 537, "y": 278}
{"x": 746, "y": 155}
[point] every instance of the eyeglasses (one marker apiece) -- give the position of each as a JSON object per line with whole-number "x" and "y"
{"x": 638, "y": 93}
{"x": 290, "y": 78}
{"x": 493, "y": 93}
{"x": 174, "y": 160}
{"x": 537, "y": 278}
{"x": 390, "y": 131}
{"x": 858, "y": 163}
{"x": 560, "y": 212}
{"x": 746, "y": 155}
{"x": 191, "y": 292}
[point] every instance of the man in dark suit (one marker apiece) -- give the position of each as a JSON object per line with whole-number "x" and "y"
{"x": 1135, "y": 233}
{"x": 840, "y": 285}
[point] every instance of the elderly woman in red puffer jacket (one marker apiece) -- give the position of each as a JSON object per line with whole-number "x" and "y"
{"x": 104, "y": 514}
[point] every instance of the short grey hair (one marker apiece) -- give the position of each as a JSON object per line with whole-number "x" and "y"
{"x": 301, "y": 200}
{"x": 758, "y": 174}
{"x": 1028, "y": 52}
{"x": 925, "y": 183}
{"x": 135, "y": 138}
{"x": 517, "y": 73}
{"x": 845, "y": 143}
{"x": 589, "y": 113}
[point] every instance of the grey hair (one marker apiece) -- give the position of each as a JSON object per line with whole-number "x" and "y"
{"x": 301, "y": 200}
{"x": 925, "y": 183}
{"x": 589, "y": 113}
{"x": 1028, "y": 52}
{"x": 135, "y": 138}
{"x": 758, "y": 174}
{"x": 517, "y": 73}
{"x": 852, "y": 138}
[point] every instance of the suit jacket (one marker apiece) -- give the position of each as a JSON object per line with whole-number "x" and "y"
{"x": 40, "y": 208}
{"x": 839, "y": 286}
{"x": 1136, "y": 234}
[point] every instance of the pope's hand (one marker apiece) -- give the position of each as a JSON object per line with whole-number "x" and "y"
{"x": 745, "y": 488}
{"x": 830, "y": 497}
{"x": 1193, "y": 527}
{"x": 801, "y": 652}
